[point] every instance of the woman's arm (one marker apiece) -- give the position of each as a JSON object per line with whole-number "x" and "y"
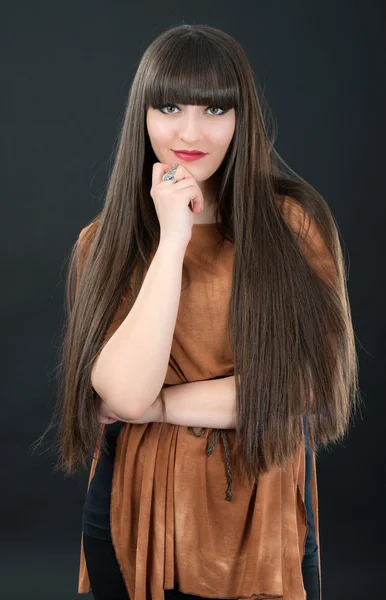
{"x": 131, "y": 367}
{"x": 209, "y": 403}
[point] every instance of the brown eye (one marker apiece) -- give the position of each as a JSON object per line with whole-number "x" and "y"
{"x": 167, "y": 106}
{"x": 217, "y": 108}
{"x": 161, "y": 108}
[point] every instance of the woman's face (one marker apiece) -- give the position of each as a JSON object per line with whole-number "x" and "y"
{"x": 189, "y": 127}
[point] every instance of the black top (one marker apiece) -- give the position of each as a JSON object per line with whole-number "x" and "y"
{"x": 311, "y": 549}
{"x": 96, "y": 509}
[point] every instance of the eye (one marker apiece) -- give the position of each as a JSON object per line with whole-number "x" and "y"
{"x": 162, "y": 106}
{"x": 218, "y": 108}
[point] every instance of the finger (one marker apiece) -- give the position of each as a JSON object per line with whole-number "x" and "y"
{"x": 160, "y": 169}
{"x": 196, "y": 198}
{"x": 158, "y": 172}
{"x": 107, "y": 420}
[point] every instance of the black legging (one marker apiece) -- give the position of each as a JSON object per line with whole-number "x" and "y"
{"x": 105, "y": 575}
{"x": 103, "y": 570}
{"x": 107, "y": 582}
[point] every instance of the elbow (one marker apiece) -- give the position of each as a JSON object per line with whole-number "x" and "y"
{"x": 127, "y": 404}
{"x": 121, "y": 405}
{"x": 123, "y": 408}
{"x": 125, "y": 412}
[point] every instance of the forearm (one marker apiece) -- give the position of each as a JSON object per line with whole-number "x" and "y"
{"x": 131, "y": 367}
{"x": 209, "y": 403}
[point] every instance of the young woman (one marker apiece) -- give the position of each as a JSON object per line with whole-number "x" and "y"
{"x": 212, "y": 304}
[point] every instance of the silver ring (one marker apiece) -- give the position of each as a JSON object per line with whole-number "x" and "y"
{"x": 169, "y": 176}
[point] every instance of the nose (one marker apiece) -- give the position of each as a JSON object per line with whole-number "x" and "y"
{"x": 189, "y": 129}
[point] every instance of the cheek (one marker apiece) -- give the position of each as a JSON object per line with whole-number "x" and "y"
{"x": 222, "y": 135}
{"x": 159, "y": 132}
{"x": 222, "y": 138}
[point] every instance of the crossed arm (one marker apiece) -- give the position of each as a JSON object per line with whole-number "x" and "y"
{"x": 208, "y": 403}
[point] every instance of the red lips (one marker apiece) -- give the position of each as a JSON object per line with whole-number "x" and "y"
{"x": 189, "y": 151}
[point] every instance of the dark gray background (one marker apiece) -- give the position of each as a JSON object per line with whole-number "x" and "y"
{"x": 67, "y": 67}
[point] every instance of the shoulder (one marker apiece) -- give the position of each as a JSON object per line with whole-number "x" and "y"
{"x": 294, "y": 213}
{"x": 311, "y": 239}
{"x": 301, "y": 222}
{"x": 87, "y": 235}
{"x": 88, "y": 232}
{"x": 84, "y": 241}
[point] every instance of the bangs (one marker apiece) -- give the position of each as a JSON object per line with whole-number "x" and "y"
{"x": 191, "y": 70}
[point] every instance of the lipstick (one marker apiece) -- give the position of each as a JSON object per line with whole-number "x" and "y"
{"x": 189, "y": 156}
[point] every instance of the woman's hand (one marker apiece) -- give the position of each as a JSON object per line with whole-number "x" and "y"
{"x": 152, "y": 415}
{"x": 175, "y": 202}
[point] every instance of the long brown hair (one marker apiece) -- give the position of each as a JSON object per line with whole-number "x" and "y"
{"x": 289, "y": 316}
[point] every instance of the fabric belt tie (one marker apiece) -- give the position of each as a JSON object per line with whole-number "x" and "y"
{"x": 216, "y": 433}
